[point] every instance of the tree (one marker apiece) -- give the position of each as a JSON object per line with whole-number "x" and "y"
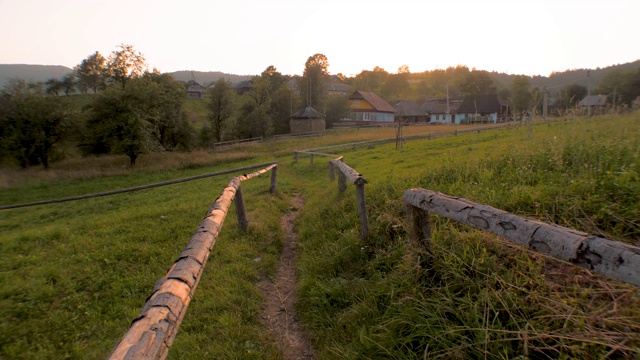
{"x": 54, "y": 86}
{"x": 404, "y": 69}
{"x": 371, "y": 81}
{"x": 125, "y": 64}
{"x": 68, "y": 83}
{"x": 337, "y": 108}
{"x": 478, "y": 83}
{"x": 145, "y": 115}
{"x": 313, "y": 79}
{"x": 397, "y": 85}
{"x": 32, "y": 124}
{"x": 91, "y": 73}
{"x": 520, "y": 94}
{"x": 220, "y": 106}
{"x": 570, "y": 95}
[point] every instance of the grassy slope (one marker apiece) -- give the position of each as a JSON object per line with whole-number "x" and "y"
{"x": 75, "y": 274}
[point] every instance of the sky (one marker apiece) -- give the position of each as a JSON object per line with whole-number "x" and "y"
{"x": 244, "y": 37}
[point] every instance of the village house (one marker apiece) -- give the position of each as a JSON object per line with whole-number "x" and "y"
{"x": 369, "y": 108}
{"x": 409, "y": 112}
{"x": 307, "y": 120}
{"x": 466, "y": 110}
{"x": 594, "y": 103}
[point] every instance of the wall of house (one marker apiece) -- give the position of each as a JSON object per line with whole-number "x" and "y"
{"x": 359, "y": 104}
{"x": 371, "y": 116}
{"x": 298, "y": 126}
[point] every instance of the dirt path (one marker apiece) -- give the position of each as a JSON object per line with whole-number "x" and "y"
{"x": 279, "y": 315}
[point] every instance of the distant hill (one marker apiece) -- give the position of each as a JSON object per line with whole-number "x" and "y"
{"x": 32, "y": 73}
{"x": 558, "y": 80}
{"x": 43, "y": 73}
{"x": 206, "y": 78}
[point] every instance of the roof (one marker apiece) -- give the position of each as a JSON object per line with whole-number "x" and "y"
{"x": 336, "y": 87}
{"x": 593, "y": 100}
{"x": 484, "y": 104}
{"x": 307, "y": 113}
{"x": 439, "y": 106}
{"x": 408, "y": 108}
{"x": 376, "y": 101}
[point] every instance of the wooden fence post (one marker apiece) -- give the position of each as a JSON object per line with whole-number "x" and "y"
{"x": 274, "y": 174}
{"x": 240, "y": 210}
{"x": 342, "y": 182}
{"x": 419, "y": 228}
{"x": 295, "y": 156}
{"x": 332, "y": 172}
{"x": 362, "y": 211}
{"x": 311, "y": 160}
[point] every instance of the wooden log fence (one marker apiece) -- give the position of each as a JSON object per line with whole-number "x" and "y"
{"x": 241, "y": 141}
{"x": 142, "y": 187}
{"x": 152, "y": 333}
{"x": 296, "y": 155}
{"x": 610, "y": 258}
{"x": 359, "y": 181}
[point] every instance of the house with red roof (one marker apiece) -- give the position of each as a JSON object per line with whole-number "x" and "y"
{"x": 370, "y": 108}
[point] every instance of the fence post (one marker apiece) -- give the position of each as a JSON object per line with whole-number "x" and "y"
{"x": 362, "y": 211}
{"x": 240, "y": 210}
{"x": 295, "y": 156}
{"x": 456, "y": 134}
{"x": 274, "y": 174}
{"x": 419, "y": 228}
{"x": 311, "y": 160}
{"x": 332, "y": 172}
{"x": 342, "y": 182}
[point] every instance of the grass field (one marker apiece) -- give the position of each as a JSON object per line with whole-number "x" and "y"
{"x": 74, "y": 275}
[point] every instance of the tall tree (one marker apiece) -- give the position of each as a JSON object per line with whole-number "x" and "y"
{"x": 91, "y": 72}
{"x": 53, "y": 86}
{"x": 68, "y": 83}
{"x": 145, "y": 115}
{"x": 221, "y": 107}
{"x": 520, "y": 94}
{"x": 313, "y": 79}
{"x": 478, "y": 83}
{"x": 124, "y": 64}
{"x": 31, "y": 124}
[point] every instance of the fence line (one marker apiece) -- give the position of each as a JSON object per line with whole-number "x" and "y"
{"x": 610, "y": 258}
{"x": 233, "y": 142}
{"x": 136, "y": 188}
{"x": 359, "y": 181}
{"x": 152, "y": 333}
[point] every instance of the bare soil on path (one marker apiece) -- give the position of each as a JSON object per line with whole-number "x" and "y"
{"x": 279, "y": 315}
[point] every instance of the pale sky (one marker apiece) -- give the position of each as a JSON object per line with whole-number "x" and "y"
{"x": 245, "y": 36}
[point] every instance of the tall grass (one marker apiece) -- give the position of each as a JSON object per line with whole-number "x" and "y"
{"x": 476, "y": 296}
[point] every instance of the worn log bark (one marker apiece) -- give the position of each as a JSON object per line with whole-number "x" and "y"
{"x": 274, "y": 175}
{"x": 240, "y": 210}
{"x": 419, "y": 228}
{"x": 362, "y": 211}
{"x": 342, "y": 182}
{"x": 353, "y": 176}
{"x": 610, "y": 258}
{"x": 259, "y": 172}
{"x": 153, "y": 331}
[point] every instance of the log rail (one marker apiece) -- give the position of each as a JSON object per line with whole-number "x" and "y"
{"x": 610, "y": 258}
{"x": 152, "y": 333}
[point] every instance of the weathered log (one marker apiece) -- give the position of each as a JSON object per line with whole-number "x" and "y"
{"x": 240, "y": 209}
{"x": 311, "y": 159}
{"x": 353, "y": 176}
{"x": 342, "y": 182}
{"x": 332, "y": 172}
{"x": 419, "y": 227}
{"x": 610, "y": 258}
{"x": 259, "y": 172}
{"x": 315, "y": 153}
{"x": 274, "y": 175}
{"x": 362, "y": 211}
{"x": 153, "y": 331}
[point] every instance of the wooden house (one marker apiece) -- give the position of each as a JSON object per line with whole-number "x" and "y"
{"x": 410, "y": 112}
{"x": 366, "y": 107}
{"x": 196, "y": 92}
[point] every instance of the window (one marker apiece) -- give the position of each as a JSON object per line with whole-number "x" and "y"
{"x": 356, "y": 102}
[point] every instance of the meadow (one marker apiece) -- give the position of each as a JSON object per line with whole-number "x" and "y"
{"x": 74, "y": 275}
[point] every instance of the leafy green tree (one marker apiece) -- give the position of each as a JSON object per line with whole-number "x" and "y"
{"x": 478, "y": 83}
{"x": 68, "y": 83}
{"x": 53, "y": 86}
{"x": 221, "y": 107}
{"x": 571, "y": 95}
{"x": 337, "y": 107}
{"x": 91, "y": 73}
{"x": 145, "y": 115}
{"x": 520, "y": 94}
{"x": 313, "y": 79}
{"x": 371, "y": 81}
{"x": 32, "y": 124}
{"x": 125, "y": 64}
{"x": 397, "y": 86}
{"x": 283, "y": 103}
{"x": 630, "y": 89}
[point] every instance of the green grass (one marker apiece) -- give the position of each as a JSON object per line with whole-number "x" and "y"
{"x": 74, "y": 275}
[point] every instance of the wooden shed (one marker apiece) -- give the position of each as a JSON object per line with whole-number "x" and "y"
{"x": 307, "y": 120}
